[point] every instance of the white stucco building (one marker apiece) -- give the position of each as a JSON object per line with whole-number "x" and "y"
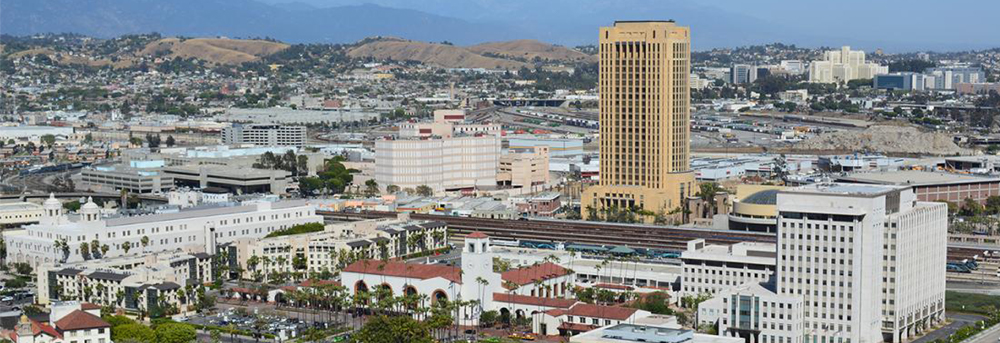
{"x": 203, "y": 226}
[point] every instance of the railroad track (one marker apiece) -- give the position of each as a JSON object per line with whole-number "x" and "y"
{"x": 637, "y": 236}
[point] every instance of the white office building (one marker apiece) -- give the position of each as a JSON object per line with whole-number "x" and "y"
{"x": 443, "y": 164}
{"x": 833, "y": 252}
{"x": 197, "y": 227}
{"x": 264, "y": 134}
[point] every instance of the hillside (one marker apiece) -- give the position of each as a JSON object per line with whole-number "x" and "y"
{"x": 529, "y": 49}
{"x": 442, "y": 55}
{"x": 215, "y": 51}
{"x": 887, "y": 140}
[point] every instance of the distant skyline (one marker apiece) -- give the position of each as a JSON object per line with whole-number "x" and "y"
{"x": 893, "y": 25}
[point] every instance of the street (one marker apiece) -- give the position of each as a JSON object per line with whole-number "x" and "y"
{"x": 958, "y": 321}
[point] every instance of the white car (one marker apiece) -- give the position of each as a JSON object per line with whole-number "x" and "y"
{"x": 7, "y": 298}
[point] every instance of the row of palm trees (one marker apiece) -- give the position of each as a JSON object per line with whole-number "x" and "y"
{"x": 296, "y": 268}
{"x": 93, "y": 249}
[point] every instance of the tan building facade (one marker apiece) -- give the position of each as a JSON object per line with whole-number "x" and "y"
{"x": 524, "y": 168}
{"x": 644, "y": 115}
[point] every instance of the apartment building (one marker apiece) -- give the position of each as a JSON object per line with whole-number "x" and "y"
{"x": 127, "y": 282}
{"x": 327, "y": 251}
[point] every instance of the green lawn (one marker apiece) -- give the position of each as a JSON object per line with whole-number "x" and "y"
{"x": 971, "y": 303}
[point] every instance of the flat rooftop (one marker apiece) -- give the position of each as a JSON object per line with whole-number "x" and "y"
{"x": 913, "y": 178}
{"x": 850, "y": 189}
{"x": 19, "y": 206}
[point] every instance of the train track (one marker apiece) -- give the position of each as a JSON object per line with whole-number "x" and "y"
{"x": 637, "y": 236}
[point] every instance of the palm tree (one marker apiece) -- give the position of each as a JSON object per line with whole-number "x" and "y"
{"x": 145, "y": 242}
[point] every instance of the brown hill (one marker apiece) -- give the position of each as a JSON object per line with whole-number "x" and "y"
{"x": 441, "y": 55}
{"x": 213, "y": 50}
{"x": 529, "y": 49}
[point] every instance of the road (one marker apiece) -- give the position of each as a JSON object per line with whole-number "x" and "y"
{"x": 958, "y": 321}
{"x": 991, "y": 336}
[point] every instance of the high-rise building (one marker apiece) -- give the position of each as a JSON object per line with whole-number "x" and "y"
{"x": 644, "y": 104}
{"x": 866, "y": 259}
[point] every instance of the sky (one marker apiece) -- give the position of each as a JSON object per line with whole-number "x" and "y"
{"x": 894, "y": 25}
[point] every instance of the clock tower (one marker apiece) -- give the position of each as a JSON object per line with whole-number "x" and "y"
{"x": 479, "y": 281}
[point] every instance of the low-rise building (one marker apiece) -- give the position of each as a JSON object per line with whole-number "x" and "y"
{"x": 69, "y": 322}
{"x": 131, "y": 282}
{"x": 112, "y": 179}
{"x": 323, "y": 253}
{"x": 19, "y": 213}
{"x": 201, "y": 227}
{"x": 524, "y": 168}
{"x": 236, "y": 180}
{"x": 264, "y": 134}
{"x": 708, "y": 269}
{"x": 654, "y": 328}
{"x": 933, "y": 186}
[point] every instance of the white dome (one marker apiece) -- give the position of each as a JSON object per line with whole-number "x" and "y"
{"x": 52, "y": 201}
{"x": 90, "y": 205}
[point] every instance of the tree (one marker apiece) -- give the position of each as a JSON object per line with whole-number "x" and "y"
{"x": 49, "y": 140}
{"x": 993, "y": 204}
{"x": 85, "y": 250}
{"x": 489, "y": 318}
{"x": 424, "y": 190}
{"x": 145, "y": 242}
{"x": 971, "y": 207}
{"x": 175, "y": 333}
{"x": 170, "y": 141}
{"x": 383, "y": 329}
{"x": 391, "y": 189}
{"x": 371, "y": 188}
{"x": 126, "y": 246}
{"x": 133, "y": 332}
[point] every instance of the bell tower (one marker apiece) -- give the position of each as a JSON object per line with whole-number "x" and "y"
{"x": 479, "y": 281}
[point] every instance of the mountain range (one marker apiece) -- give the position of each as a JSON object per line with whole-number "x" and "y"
{"x": 895, "y": 25}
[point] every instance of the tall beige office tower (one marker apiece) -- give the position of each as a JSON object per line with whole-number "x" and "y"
{"x": 645, "y": 113}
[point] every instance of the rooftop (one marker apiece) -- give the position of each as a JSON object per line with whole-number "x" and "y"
{"x": 912, "y": 177}
{"x": 849, "y": 189}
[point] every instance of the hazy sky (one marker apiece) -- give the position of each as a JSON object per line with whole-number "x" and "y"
{"x": 895, "y": 25}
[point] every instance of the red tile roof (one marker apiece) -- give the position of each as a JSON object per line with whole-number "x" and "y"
{"x": 601, "y": 311}
{"x": 576, "y": 327}
{"x": 79, "y": 320}
{"x": 407, "y": 270}
{"x": 39, "y": 328}
{"x": 477, "y": 234}
{"x": 90, "y": 306}
{"x": 529, "y": 300}
{"x": 311, "y": 283}
{"x": 540, "y": 272}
